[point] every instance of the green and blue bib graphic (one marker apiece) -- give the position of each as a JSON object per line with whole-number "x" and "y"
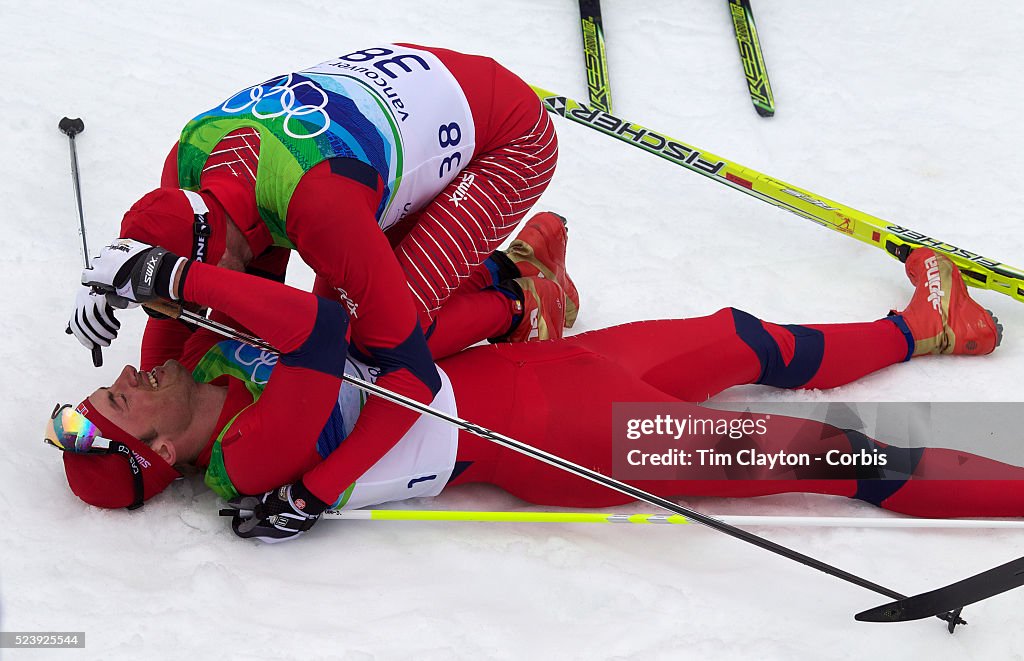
{"x": 252, "y": 367}
{"x": 397, "y": 110}
{"x": 418, "y": 465}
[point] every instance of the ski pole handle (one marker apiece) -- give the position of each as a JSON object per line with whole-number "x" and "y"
{"x": 97, "y": 351}
{"x": 71, "y": 127}
{"x": 166, "y": 308}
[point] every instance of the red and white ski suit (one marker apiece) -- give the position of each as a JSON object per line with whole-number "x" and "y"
{"x": 402, "y": 278}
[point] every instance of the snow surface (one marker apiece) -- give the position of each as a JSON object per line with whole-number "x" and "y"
{"x": 909, "y": 111}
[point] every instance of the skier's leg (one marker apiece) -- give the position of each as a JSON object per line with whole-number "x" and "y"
{"x": 694, "y": 359}
{"x": 557, "y": 396}
{"x": 481, "y": 207}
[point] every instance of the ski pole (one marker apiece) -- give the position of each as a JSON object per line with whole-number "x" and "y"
{"x": 610, "y": 517}
{"x": 71, "y": 128}
{"x": 897, "y": 240}
{"x": 176, "y": 311}
{"x": 588, "y": 474}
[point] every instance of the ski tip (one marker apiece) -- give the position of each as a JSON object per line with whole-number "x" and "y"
{"x": 897, "y": 611}
{"x": 765, "y": 112}
{"x": 891, "y": 612}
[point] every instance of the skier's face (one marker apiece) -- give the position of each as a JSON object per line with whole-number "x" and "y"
{"x": 150, "y": 404}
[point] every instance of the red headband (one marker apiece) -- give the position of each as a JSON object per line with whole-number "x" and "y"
{"x": 105, "y": 480}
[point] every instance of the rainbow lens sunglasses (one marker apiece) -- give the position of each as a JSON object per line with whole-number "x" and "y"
{"x": 70, "y": 431}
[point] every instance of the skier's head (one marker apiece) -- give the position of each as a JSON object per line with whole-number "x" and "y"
{"x": 134, "y": 426}
{"x": 180, "y": 221}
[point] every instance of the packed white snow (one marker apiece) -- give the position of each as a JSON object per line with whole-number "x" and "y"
{"x": 909, "y": 111}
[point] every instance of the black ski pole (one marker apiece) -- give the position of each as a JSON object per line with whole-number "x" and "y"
{"x": 71, "y": 128}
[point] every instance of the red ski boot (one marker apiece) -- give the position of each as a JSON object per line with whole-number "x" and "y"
{"x": 539, "y": 310}
{"x": 942, "y": 317}
{"x": 539, "y": 250}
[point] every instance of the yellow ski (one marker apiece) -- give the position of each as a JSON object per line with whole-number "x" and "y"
{"x": 598, "y": 85}
{"x": 897, "y": 240}
{"x": 753, "y": 60}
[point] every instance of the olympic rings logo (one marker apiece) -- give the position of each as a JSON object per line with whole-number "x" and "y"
{"x": 276, "y": 98}
{"x": 264, "y": 359}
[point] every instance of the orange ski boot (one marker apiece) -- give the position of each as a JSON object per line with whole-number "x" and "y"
{"x": 539, "y": 310}
{"x": 539, "y": 250}
{"x": 942, "y": 317}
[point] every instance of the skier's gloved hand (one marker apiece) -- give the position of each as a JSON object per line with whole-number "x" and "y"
{"x": 93, "y": 321}
{"x": 278, "y": 515}
{"x": 132, "y": 272}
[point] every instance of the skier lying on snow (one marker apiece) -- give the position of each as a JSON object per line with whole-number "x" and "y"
{"x": 254, "y": 425}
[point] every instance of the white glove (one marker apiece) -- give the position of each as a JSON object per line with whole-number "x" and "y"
{"x": 106, "y": 270}
{"x": 130, "y": 271}
{"x": 93, "y": 321}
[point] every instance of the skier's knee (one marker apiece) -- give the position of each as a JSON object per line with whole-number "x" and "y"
{"x": 789, "y": 355}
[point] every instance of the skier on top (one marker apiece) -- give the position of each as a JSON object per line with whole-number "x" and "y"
{"x": 437, "y": 152}
{"x": 275, "y": 440}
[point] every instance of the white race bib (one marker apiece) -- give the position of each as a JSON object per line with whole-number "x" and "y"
{"x": 419, "y": 465}
{"x": 422, "y": 111}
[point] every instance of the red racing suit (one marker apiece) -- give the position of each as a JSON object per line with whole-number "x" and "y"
{"x": 557, "y": 396}
{"x": 393, "y": 283}
{"x": 331, "y": 215}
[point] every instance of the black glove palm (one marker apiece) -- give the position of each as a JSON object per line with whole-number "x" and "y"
{"x": 278, "y": 515}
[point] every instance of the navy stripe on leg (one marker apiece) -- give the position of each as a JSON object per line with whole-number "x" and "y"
{"x": 907, "y": 335}
{"x": 807, "y": 355}
{"x": 877, "y": 481}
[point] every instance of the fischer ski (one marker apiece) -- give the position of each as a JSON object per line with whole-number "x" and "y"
{"x": 753, "y": 60}
{"x": 895, "y": 239}
{"x": 953, "y": 597}
{"x": 594, "y": 54}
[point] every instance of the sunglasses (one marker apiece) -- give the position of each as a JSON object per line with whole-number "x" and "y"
{"x": 70, "y": 431}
